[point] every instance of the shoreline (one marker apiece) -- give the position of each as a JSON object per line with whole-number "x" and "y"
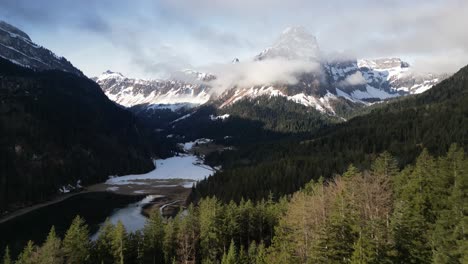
{"x": 172, "y": 193}
{"x": 9, "y": 216}
{"x": 174, "y": 190}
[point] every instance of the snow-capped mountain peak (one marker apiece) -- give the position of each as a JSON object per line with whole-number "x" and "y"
{"x": 110, "y": 75}
{"x": 294, "y": 43}
{"x": 337, "y": 83}
{"x": 195, "y": 76}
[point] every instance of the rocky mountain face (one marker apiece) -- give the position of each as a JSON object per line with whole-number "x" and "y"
{"x": 359, "y": 81}
{"x": 156, "y": 93}
{"x": 334, "y": 83}
{"x": 379, "y": 78}
{"x": 17, "y": 47}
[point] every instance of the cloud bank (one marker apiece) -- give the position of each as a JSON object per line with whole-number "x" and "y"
{"x": 353, "y": 79}
{"x": 152, "y": 37}
{"x": 253, "y": 73}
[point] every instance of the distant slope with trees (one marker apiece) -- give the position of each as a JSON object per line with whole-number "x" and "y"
{"x": 57, "y": 129}
{"x": 433, "y": 120}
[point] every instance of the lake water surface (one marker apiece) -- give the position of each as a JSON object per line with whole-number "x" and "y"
{"x": 93, "y": 207}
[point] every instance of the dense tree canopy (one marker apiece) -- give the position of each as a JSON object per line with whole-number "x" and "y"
{"x": 381, "y": 215}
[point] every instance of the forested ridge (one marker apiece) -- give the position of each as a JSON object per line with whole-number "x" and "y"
{"x": 381, "y": 215}
{"x": 432, "y": 120}
{"x": 250, "y": 121}
{"x": 57, "y": 129}
{"x": 280, "y": 114}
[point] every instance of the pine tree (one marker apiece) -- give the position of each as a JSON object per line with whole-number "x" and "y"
{"x": 243, "y": 258}
{"x": 373, "y": 203}
{"x": 51, "y": 252}
{"x": 261, "y": 257}
{"x": 351, "y": 172}
{"x": 246, "y": 221}
{"x": 170, "y": 240}
{"x": 6, "y": 256}
{"x": 364, "y": 251}
{"x": 229, "y": 224}
{"x": 210, "y": 213}
{"x": 450, "y": 236}
{"x": 153, "y": 237}
{"x": 135, "y": 247}
{"x": 385, "y": 165}
{"x": 76, "y": 244}
{"x": 28, "y": 255}
{"x": 338, "y": 236}
{"x": 252, "y": 252}
{"x": 414, "y": 212}
{"x": 410, "y": 235}
{"x": 338, "y": 240}
{"x": 231, "y": 256}
{"x": 103, "y": 245}
{"x": 119, "y": 243}
{"x": 188, "y": 236}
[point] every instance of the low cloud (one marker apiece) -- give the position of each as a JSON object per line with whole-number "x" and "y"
{"x": 353, "y": 79}
{"x": 133, "y": 35}
{"x": 447, "y": 62}
{"x": 252, "y": 73}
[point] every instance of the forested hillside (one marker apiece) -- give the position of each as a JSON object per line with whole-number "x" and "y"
{"x": 59, "y": 129}
{"x": 380, "y": 215}
{"x": 246, "y": 122}
{"x": 279, "y": 114}
{"x": 432, "y": 120}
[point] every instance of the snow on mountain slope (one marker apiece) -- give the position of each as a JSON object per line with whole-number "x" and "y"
{"x": 396, "y": 74}
{"x": 336, "y": 81}
{"x": 359, "y": 81}
{"x": 17, "y": 46}
{"x": 377, "y": 79}
{"x": 322, "y": 104}
{"x": 129, "y": 92}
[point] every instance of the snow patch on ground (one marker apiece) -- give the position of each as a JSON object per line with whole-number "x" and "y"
{"x": 68, "y": 188}
{"x": 221, "y": 117}
{"x": 372, "y": 92}
{"x": 173, "y": 107}
{"x": 180, "y": 167}
{"x": 182, "y": 118}
{"x": 187, "y": 146}
{"x": 112, "y": 188}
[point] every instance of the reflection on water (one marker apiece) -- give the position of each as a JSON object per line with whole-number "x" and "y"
{"x": 130, "y": 216}
{"x": 35, "y": 225}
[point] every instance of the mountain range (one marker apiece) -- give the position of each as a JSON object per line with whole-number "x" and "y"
{"x": 336, "y": 82}
{"x": 358, "y": 81}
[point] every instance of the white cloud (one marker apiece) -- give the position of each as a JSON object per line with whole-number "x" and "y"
{"x": 252, "y": 73}
{"x": 353, "y": 79}
{"x": 205, "y": 31}
{"x": 445, "y": 62}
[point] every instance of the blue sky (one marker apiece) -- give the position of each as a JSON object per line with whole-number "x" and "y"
{"x": 149, "y": 39}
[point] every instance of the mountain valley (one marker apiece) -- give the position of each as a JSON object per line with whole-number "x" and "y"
{"x": 292, "y": 155}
